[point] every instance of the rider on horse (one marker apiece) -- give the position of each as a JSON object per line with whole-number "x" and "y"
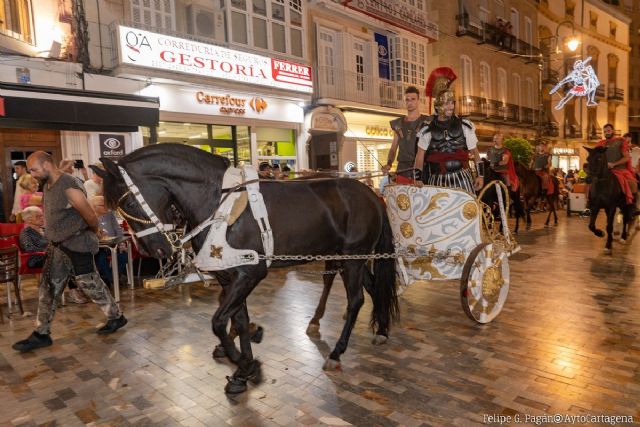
{"x": 447, "y": 140}
{"x": 541, "y": 164}
{"x": 619, "y": 162}
{"x": 501, "y": 162}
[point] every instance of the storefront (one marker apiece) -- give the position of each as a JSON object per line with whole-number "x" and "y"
{"x": 68, "y": 124}
{"x": 240, "y": 105}
{"x": 245, "y": 128}
{"x": 565, "y": 158}
{"x": 367, "y": 140}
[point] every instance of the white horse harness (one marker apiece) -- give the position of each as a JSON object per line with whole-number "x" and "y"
{"x": 215, "y": 254}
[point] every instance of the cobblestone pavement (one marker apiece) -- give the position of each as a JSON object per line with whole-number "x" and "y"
{"x": 566, "y": 343}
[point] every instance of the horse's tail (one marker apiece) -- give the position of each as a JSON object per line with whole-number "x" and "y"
{"x": 385, "y": 298}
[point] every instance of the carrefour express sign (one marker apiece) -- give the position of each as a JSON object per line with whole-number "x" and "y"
{"x": 146, "y": 49}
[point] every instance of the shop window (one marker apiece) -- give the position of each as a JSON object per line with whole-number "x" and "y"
{"x": 16, "y": 19}
{"x": 276, "y": 146}
{"x": 154, "y": 13}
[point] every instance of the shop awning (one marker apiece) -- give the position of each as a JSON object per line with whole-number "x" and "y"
{"x": 26, "y": 106}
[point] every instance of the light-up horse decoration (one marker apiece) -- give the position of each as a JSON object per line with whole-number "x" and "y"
{"x": 584, "y": 80}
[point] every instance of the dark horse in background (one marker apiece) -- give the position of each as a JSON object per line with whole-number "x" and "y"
{"x": 605, "y": 193}
{"x": 531, "y": 189}
{"x": 490, "y": 197}
{"x": 330, "y": 217}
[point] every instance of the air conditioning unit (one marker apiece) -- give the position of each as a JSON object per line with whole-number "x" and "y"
{"x": 205, "y": 23}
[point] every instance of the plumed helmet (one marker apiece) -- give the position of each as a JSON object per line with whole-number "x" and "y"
{"x": 439, "y": 86}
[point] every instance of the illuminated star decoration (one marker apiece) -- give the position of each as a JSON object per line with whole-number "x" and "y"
{"x": 584, "y": 81}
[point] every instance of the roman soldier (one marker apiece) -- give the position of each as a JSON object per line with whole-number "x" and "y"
{"x": 447, "y": 140}
{"x": 501, "y": 161}
{"x": 619, "y": 162}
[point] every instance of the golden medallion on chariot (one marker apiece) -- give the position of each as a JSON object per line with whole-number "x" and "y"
{"x": 403, "y": 202}
{"x": 216, "y": 251}
{"x": 406, "y": 229}
{"x": 469, "y": 210}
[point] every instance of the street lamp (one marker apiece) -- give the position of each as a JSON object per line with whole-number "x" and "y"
{"x": 573, "y": 41}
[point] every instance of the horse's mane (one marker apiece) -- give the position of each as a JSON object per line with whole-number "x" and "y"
{"x": 160, "y": 159}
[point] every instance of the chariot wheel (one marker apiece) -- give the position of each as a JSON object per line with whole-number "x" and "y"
{"x": 484, "y": 284}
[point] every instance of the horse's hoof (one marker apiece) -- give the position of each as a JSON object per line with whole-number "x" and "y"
{"x": 218, "y": 352}
{"x": 331, "y": 365}
{"x": 379, "y": 339}
{"x": 235, "y": 385}
{"x": 313, "y": 329}
{"x": 255, "y": 372}
{"x": 546, "y": 224}
{"x": 257, "y": 336}
{"x": 599, "y": 233}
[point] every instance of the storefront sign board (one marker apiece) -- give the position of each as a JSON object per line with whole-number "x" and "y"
{"x": 147, "y": 49}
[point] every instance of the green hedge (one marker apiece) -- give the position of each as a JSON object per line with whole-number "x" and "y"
{"x": 521, "y": 150}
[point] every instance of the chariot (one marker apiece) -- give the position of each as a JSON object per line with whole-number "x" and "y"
{"x": 443, "y": 234}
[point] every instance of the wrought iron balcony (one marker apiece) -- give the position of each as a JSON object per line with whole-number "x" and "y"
{"x": 551, "y": 129}
{"x": 615, "y": 94}
{"x": 600, "y": 92}
{"x": 529, "y": 116}
{"x": 336, "y": 83}
{"x": 550, "y": 76}
{"x": 479, "y": 108}
{"x": 487, "y": 33}
{"x": 572, "y": 131}
{"x": 474, "y": 107}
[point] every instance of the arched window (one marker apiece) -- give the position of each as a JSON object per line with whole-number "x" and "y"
{"x": 466, "y": 75}
{"x": 516, "y": 90}
{"x": 530, "y": 94}
{"x": 501, "y": 85}
{"x": 154, "y": 13}
{"x": 485, "y": 80}
{"x": 16, "y": 19}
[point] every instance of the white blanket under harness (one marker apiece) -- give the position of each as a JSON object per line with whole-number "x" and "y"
{"x": 216, "y": 254}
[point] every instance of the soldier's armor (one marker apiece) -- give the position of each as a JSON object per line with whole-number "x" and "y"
{"x": 447, "y": 137}
{"x": 614, "y": 153}
{"x": 541, "y": 161}
{"x": 407, "y": 141}
{"x": 495, "y": 157}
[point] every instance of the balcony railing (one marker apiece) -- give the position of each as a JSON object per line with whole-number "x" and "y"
{"x": 487, "y": 33}
{"x": 600, "y": 92}
{"x": 551, "y": 129}
{"x": 550, "y": 76}
{"x": 615, "y": 94}
{"x": 479, "y": 108}
{"x": 336, "y": 83}
{"x": 572, "y": 131}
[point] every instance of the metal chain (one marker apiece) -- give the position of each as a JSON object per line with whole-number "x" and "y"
{"x": 446, "y": 256}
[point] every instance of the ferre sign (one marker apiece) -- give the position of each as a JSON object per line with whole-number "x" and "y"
{"x": 111, "y": 146}
{"x": 147, "y": 49}
{"x": 230, "y": 104}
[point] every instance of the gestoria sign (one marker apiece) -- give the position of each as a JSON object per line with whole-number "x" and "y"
{"x": 146, "y": 49}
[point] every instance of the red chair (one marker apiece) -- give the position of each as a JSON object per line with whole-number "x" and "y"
{"x": 10, "y": 236}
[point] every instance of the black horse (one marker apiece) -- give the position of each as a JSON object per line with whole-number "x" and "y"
{"x": 491, "y": 197}
{"x": 324, "y": 217}
{"x": 531, "y": 189}
{"x": 605, "y": 193}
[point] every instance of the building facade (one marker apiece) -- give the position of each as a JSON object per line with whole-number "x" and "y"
{"x": 603, "y": 32}
{"x": 492, "y": 47}
{"x": 43, "y": 98}
{"x": 364, "y": 56}
{"x": 231, "y": 76}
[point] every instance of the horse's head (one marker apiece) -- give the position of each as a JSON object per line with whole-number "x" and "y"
{"x": 596, "y": 162}
{"x": 159, "y": 187}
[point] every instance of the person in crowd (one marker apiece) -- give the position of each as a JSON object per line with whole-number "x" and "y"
{"x": 31, "y": 237}
{"x": 30, "y": 195}
{"x": 541, "y": 165}
{"x": 501, "y": 161}
{"x": 405, "y": 131}
{"x": 582, "y": 174}
{"x": 444, "y": 145}
{"x": 634, "y": 153}
{"x": 68, "y": 166}
{"x": 619, "y": 162}
{"x": 277, "y": 173}
{"x": 72, "y": 228}
{"x": 286, "y": 171}
{"x": 21, "y": 168}
{"x": 265, "y": 171}
{"x": 93, "y": 186}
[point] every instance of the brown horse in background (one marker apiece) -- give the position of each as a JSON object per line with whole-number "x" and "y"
{"x": 531, "y": 189}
